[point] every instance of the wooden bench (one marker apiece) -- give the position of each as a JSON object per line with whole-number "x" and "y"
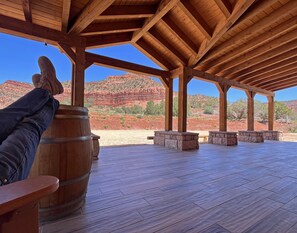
{"x": 19, "y": 203}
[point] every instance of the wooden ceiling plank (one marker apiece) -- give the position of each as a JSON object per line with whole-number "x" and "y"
{"x": 27, "y": 10}
{"x": 213, "y": 78}
{"x": 128, "y": 12}
{"x": 124, "y": 65}
{"x": 168, "y": 46}
{"x": 248, "y": 33}
{"x": 35, "y": 32}
{"x": 265, "y": 64}
{"x": 153, "y": 54}
{"x": 261, "y": 58}
{"x": 65, "y": 15}
{"x": 273, "y": 74}
{"x": 90, "y": 12}
{"x": 98, "y": 41}
{"x": 196, "y": 18}
{"x": 276, "y": 80}
{"x": 164, "y": 7}
{"x": 240, "y": 7}
{"x": 225, "y": 6}
{"x": 180, "y": 34}
{"x": 104, "y": 28}
{"x": 265, "y": 48}
{"x": 267, "y": 70}
{"x": 288, "y": 80}
{"x": 288, "y": 85}
{"x": 255, "y": 42}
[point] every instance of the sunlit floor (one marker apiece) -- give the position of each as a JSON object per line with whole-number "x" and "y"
{"x": 147, "y": 188}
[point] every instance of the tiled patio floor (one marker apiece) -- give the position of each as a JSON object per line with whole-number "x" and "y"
{"x": 147, "y": 188}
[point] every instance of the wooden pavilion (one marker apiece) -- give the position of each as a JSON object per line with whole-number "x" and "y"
{"x": 245, "y": 44}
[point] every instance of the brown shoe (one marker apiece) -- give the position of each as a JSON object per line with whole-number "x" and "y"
{"x": 36, "y": 80}
{"x": 48, "y": 79}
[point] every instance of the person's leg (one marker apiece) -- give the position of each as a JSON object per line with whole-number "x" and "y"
{"x": 17, "y": 152}
{"x": 25, "y": 106}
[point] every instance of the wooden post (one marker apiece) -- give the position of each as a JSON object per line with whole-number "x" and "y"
{"x": 250, "y": 109}
{"x": 184, "y": 78}
{"x": 168, "y": 105}
{"x": 270, "y": 112}
{"x": 223, "y": 89}
{"x": 78, "y": 78}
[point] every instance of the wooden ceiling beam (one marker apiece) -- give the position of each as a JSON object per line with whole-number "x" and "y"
{"x": 36, "y": 32}
{"x": 253, "y": 54}
{"x": 283, "y": 82}
{"x": 116, "y": 27}
{"x": 285, "y": 86}
{"x": 65, "y": 15}
{"x": 124, "y": 65}
{"x": 216, "y": 79}
{"x": 126, "y": 12}
{"x": 225, "y": 6}
{"x": 249, "y": 33}
{"x": 170, "y": 24}
{"x": 98, "y": 41}
{"x": 27, "y": 10}
{"x": 279, "y": 59}
{"x": 168, "y": 46}
{"x": 254, "y": 43}
{"x": 164, "y": 7}
{"x": 90, "y": 12}
{"x": 281, "y": 79}
{"x": 278, "y": 73}
{"x": 196, "y": 18}
{"x": 241, "y": 7}
{"x": 149, "y": 51}
{"x": 261, "y": 58}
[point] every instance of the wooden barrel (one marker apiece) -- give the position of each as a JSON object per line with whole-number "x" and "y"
{"x": 65, "y": 151}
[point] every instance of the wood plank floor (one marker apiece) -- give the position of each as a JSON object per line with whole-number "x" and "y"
{"x": 216, "y": 189}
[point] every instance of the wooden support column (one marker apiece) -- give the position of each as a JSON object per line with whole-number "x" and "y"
{"x": 184, "y": 78}
{"x": 270, "y": 112}
{"x": 168, "y": 104}
{"x": 223, "y": 89}
{"x": 78, "y": 78}
{"x": 250, "y": 110}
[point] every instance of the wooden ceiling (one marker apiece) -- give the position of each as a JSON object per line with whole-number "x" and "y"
{"x": 246, "y": 42}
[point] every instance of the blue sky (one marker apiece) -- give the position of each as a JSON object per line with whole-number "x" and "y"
{"x": 19, "y": 61}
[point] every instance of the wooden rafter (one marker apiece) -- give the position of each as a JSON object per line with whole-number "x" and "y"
{"x": 216, "y": 79}
{"x": 127, "y": 66}
{"x": 90, "y": 12}
{"x": 259, "y": 59}
{"x": 171, "y": 25}
{"x": 65, "y": 15}
{"x": 254, "y": 43}
{"x": 103, "y": 28}
{"x": 247, "y": 34}
{"x": 107, "y": 39}
{"x": 275, "y": 83}
{"x": 196, "y": 18}
{"x": 164, "y": 7}
{"x": 36, "y": 32}
{"x": 153, "y": 54}
{"x": 265, "y": 48}
{"x": 274, "y": 75}
{"x": 27, "y": 10}
{"x": 241, "y": 7}
{"x": 168, "y": 46}
{"x": 225, "y": 7}
{"x": 287, "y": 85}
{"x": 267, "y": 70}
{"x": 279, "y": 59}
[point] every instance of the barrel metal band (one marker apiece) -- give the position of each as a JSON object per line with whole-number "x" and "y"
{"x": 75, "y": 180}
{"x": 63, "y": 140}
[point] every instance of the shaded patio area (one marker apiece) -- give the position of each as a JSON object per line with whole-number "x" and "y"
{"x": 247, "y": 188}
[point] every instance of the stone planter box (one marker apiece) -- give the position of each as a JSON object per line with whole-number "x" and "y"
{"x": 271, "y": 135}
{"x": 250, "y": 136}
{"x": 177, "y": 140}
{"x": 222, "y": 138}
